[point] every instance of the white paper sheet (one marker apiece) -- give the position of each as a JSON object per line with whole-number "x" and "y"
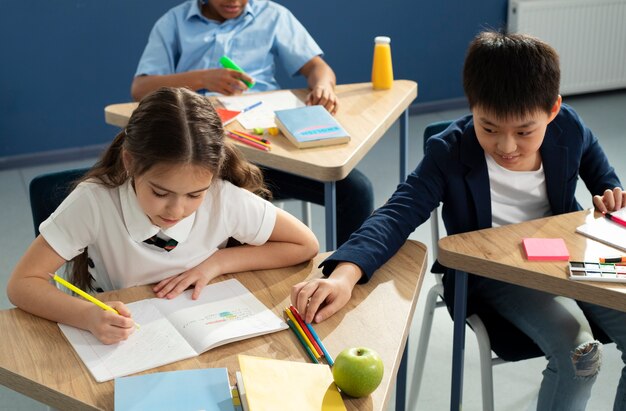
{"x": 263, "y": 115}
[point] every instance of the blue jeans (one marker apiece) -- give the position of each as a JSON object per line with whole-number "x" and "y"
{"x": 560, "y": 327}
{"x": 355, "y": 196}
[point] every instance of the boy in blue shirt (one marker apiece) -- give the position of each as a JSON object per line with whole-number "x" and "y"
{"x": 517, "y": 157}
{"x": 184, "y": 48}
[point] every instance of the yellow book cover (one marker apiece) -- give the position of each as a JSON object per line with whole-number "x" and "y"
{"x": 272, "y": 385}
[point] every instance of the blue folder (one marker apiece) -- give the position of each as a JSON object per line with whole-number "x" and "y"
{"x": 189, "y": 390}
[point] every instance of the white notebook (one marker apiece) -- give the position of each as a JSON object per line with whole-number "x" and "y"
{"x": 177, "y": 329}
{"x": 606, "y": 231}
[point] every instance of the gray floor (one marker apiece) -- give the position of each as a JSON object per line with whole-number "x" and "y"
{"x": 516, "y": 384}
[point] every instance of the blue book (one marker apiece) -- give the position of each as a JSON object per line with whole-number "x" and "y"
{"x": 188, "y": 390}
{"x": 310, "y": 126}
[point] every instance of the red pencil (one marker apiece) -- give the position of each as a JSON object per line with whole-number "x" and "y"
{"x": 248, "y": 142}
{"x": 296, "y": 314}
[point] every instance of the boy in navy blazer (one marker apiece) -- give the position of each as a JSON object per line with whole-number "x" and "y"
{"x": 517, "y": 157}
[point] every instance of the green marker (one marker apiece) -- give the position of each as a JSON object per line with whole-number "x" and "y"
{"x": 229, "y": 64}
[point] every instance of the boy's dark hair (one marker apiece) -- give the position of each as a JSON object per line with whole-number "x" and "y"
{"x": 511, "y": 75}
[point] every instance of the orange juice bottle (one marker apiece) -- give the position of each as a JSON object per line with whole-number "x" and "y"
{"x": 382, "y": 71}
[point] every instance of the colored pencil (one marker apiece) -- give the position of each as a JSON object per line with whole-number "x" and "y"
{"x": 83, "y": 294}
{"x": 248, "y": 142}
{"x": 306, "y": 347}
{"x": 250, "y": 136}
{"x": 250, "y": 107}
{"x": 296, "y": 314}
{"x": 329, "y": 359}
{"x": 247, "y": 137}
{"x": 302, "y": 333}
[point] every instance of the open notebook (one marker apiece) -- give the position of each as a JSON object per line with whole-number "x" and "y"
{"x": 177, "y": 329}
{"x": 606, "y": 231}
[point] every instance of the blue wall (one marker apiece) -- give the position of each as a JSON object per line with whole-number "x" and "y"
{"x": 63, "y": 61}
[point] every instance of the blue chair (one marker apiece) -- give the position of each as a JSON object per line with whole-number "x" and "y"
{"x": 48, "y": 190}
{"x": 493, "y": 332}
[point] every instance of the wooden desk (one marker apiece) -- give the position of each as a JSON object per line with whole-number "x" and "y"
{"x": 365, "y": 113}
{"x": 497, "y": 253}
{"x": 37, "y": 361}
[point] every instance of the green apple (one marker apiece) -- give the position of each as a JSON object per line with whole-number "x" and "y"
{"x": 358, "y": 371}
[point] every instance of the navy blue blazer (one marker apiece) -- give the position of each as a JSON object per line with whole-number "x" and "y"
{"x": 454, "y": 173}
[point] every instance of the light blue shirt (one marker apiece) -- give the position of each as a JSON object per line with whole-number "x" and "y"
{"x": 183, "y": 40}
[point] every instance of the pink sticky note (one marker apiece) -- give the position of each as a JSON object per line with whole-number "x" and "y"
{"x": 545, "y": 249}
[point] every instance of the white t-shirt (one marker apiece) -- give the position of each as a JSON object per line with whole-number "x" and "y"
{"x": 516, "y": 196}
{"x": 112, "y": 224}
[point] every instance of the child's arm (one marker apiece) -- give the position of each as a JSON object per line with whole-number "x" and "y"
{"x": 321, "y": 80}
{"x": 224, "y": 81}
{"x": 321, "y": 298}
{"x": 291, "y": 242}
{"x": 29, "y": 288}
{"x": 610, "y": 200}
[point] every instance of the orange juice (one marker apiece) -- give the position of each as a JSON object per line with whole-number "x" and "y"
{"x": 382, "y": 70}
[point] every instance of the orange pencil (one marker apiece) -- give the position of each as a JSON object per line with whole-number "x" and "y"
{"x": 305, "y": 329}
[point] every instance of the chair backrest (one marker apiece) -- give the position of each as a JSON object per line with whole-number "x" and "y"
{"x": 47, "y": 191}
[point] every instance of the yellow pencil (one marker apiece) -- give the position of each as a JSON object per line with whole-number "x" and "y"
{"x": 83, "y": 294}
{"x": 302, "y": 333}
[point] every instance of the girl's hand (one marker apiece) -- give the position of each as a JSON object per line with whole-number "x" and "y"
{"x": 320, "y": 298}
{"x": 225, "y": 81}
{"x": 198, "y": 277}
{"x": 610, "y": 200}
{"x": 323, "y": 95}
{"x": 107, "y": 326}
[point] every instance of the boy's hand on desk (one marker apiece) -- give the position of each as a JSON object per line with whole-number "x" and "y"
{"x": 318, "y": 299}
{"x": 610, "y": 200}
{"x": 323, "y": 96}
{"x": 107, "y": 326}
{"x": 225, "y": 81}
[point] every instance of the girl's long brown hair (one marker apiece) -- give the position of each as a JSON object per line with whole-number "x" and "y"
{"x": 174, "y": 126}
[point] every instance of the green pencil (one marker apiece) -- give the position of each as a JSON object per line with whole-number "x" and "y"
{"x": 304, "y": 344}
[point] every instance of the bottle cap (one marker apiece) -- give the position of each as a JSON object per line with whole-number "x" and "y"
{"x": 382, "y": 40}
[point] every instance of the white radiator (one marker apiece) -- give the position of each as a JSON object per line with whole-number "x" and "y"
{"x": 589, "y": 35}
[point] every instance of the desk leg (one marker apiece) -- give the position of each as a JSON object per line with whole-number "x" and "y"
{"x": 401, "y": 380}
{"x": 404, "y": 154}
{"x": 330, "y": 206}
{"x": 458, "y": 347}
{"x": 404, "y": 144}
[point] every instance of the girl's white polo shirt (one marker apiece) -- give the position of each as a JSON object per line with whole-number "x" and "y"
{"x": 111, "y": 223}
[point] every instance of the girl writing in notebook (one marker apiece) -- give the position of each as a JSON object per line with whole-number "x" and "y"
{"x": 158, "y": 207}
